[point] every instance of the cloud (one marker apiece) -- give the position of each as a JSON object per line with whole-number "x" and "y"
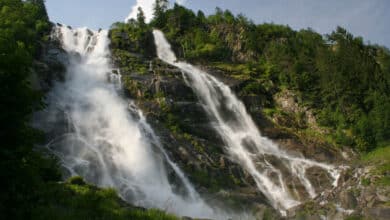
{"x": 181, "y": 2}
{"x": 147, "y": 7}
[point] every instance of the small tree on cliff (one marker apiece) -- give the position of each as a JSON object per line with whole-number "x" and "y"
{"x": 141, "y": 18}
{"x": 160, "y": 6}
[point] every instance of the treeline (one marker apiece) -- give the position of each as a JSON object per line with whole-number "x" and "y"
{"x": 23, "y": 170}
{"x": 346, "y": 81}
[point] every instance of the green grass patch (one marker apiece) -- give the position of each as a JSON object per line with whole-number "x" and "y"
{"x": 76, "y": 199}
{"x": 380, "y": 159}
{"x": 238, "y": 71}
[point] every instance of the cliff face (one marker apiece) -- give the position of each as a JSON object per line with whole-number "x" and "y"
{"x": 173, "y": 110}
{"x": 184, "y": 130}
{"x": 176, "y": 115}
{"x": 49, "y": 66}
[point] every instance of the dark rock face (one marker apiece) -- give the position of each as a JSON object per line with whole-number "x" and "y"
{"x": 49, "y": 66}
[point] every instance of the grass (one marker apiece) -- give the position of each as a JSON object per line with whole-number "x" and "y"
{"x": 308, "y": 134}
{"x": 380, "y": 160}
{"x": 76, "y": 199}
{"x": 238, "y": 71}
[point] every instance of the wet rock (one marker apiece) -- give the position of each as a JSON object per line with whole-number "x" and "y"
{"x": 348, "y": 200}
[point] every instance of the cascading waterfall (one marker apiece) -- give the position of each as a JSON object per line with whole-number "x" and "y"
{"x": 244, "y": 143}
{"x": 104, "y": 138}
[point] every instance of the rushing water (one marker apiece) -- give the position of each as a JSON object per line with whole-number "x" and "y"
{"x": 104, "y": 138}
{"x": 244, "y": 143}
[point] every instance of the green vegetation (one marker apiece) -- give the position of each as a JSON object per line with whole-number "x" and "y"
{"x": 30, "y": 187}
{"x": 23, "y": 24}
{"x": 345, "y": 81}
{"x": 76, "y": 199}
{"x": 379, "y": 159}
{"x": 134, "y": 36}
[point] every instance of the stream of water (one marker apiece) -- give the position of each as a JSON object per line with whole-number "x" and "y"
{"x": 101, "y": 136}
{"x": 244, "y": 143}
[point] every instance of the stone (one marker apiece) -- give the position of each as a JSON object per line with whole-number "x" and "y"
{"x": 382, "y": 197}
{"x": 348, "y": 200}
{"x": 379, "y": 213}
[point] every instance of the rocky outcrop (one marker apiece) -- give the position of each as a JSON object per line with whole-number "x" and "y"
{"x": 48, "y": 66}
{"x": 355, "y": 197}
{"x": 287, "y": 101}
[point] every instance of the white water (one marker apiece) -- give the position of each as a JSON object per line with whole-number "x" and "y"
{"x": 244, "y": 143}
{"x": 105, "y": 138}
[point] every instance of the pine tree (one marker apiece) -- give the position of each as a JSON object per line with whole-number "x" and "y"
{"x": 141, "y": 18}
{"x": 160, "y": 6}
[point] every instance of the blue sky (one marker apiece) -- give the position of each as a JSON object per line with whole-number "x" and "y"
{"x": 366, "y": 18}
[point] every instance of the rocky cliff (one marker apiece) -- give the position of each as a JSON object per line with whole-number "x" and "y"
{"x": 179, "y": 120}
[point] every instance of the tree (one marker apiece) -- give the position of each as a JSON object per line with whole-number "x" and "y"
{"x": 40, "y": 4}
{"x": 141, "y": 18}
{"x": 160, "y": 6}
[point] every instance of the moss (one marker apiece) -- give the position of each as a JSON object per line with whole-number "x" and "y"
{"x": 202, "y": 178}
{"x": 366, "y": 182}
{"x": 269, "y": 112}
{"x": 76, "y": 180}
{"x": 238, "y": 71}
{"x": 356, "y": 217}
{"x": 235, "y": 180}
{"x": 129, "y": 62}
{"x": 253, "y": 88}
{"x": 194, "y": 142}
{"x": 315, "y": 136}
{"x": 268, "y": 215}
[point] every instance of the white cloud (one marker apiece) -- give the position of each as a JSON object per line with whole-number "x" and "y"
{"x": 181, "y": 2}
{"x": 147, "y": 7}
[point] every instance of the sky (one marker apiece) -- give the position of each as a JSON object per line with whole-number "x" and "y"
{"x": 366, "y": 18}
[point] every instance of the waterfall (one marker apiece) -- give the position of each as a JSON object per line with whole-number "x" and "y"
{"x": 100, "y": 135}
{"x": 244, "y": 143}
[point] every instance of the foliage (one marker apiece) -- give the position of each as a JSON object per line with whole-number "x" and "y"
{"x": 345, "y": 81}
{"x": 23, "y": 24}
{"x": 30, "y": 187}
{"x": 379, "y": 159}
{"x": 76, "y": 199}
{"x": 134, "y": 36}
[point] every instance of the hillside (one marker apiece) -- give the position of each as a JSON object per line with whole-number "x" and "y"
{"x": 318, "y": 95}
{"x": 321, "y": 98}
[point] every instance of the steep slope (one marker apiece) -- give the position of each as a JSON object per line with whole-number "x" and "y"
{"x": 279, "y": 110}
